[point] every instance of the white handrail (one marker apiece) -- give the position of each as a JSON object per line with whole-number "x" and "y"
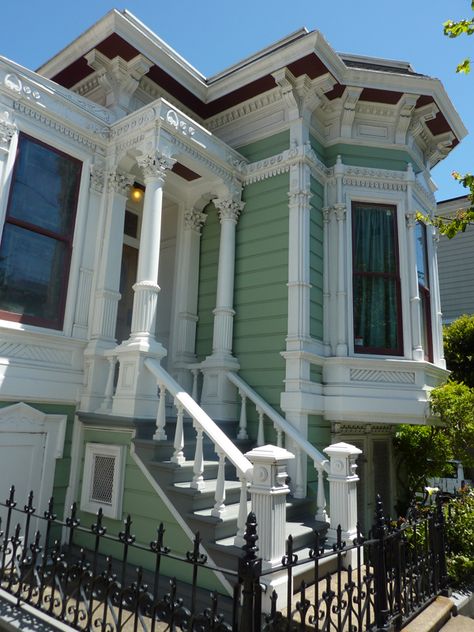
{"x": 211, "y": 429}
{"x": 319, "y": 460}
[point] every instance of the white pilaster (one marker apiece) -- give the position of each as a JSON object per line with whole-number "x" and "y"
{"x": 136, "y": 387}
{"x": 218, "y": 394}
{"x": 8, "y": 131}
{"x": 187, "y": 281}
{"x": 415, "y": 315}
{"x": 341, "y": 294}
{"x": 437, "y": 315}
{"x": 108, "y": 198}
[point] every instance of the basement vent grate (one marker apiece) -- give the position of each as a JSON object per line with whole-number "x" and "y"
{"x": 103, "y": 479}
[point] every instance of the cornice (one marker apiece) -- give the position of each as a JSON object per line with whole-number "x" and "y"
{"x": 244, "y": 109}
{"x": 282, "y": 162}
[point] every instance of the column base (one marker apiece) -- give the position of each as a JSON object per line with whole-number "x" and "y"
{"x": 219, "y": 396}
{"x": 136, "y": 392}
{"x": 96, "y": 371}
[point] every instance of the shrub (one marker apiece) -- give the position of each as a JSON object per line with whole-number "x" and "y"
{"x": 460, "y": 538}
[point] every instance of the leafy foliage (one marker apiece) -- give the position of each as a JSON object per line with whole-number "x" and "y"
{"x": 453, "y": 225}
{"x": 460, "y": 538}
{"x": 458, "y": 338}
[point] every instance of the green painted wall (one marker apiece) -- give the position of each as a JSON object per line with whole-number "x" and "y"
{"x": 147, "y": 511}
{"x": 261, "y": 293}
{"x": 267, "y": 147}
{"x": 364, "y": 156}
{"x": 319, "y": 434}
{"x": 63, "y": 465}
{"x": 316, "y": 259}
{"x": 208, "y": 262}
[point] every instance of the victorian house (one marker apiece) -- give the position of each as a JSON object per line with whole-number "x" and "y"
{"x": 193, "y": 266}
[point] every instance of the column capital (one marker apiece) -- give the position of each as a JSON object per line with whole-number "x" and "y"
{"x": 7, "y": 129}
{"x": 410, "y": 220}
{"x": 340, "y": 211}
{"x": 228, "y": 208}
{"x": 299, "y": 198}
{"x": 154, "y": 166}
{"x": 194, "y": 220}
{"x": 326, "y": 210}
{"x": 119, "y": 182}
{"x": 97, "y": 178}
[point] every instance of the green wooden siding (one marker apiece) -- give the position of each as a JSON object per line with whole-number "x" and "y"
{"x": 316, "y": 260}
{"x": 208, "y": 262}
{"x": 319, "y": 434}
{"x": 147, "y": 510}
{"x": 364, "y": 156}
{"x": 261, "y": 293}
{"x": 267, "y": 147}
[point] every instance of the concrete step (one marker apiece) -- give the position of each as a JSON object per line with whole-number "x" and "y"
{"x": 432, "y": 618}
{"x": 459, "y": 624}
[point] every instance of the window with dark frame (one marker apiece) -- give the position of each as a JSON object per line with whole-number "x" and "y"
{"x": 376, "y": 280}
{"x": 424, "y": 290}
{"x": 37, "y": 237}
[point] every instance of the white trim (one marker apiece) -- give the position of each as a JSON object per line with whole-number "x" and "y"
{"x": 91, "y": 505}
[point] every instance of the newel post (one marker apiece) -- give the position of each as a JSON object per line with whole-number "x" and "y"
{"x": 268, "y": 493}
{"x": 343, "y": 479}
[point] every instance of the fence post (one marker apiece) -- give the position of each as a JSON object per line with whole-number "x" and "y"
{"x": 379, "y": 568}
{"x": 342, "y": 479}
{"x": 268, "y": 493}
{"x": 250, "y": 569}
{"x": 440, "y": 526}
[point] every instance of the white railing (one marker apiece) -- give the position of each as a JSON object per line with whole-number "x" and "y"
{"x": 203, "y": 425}
{"x": 300, "y": 446}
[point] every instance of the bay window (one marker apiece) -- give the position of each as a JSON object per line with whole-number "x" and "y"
{"x": 37, "y": 236}
{"x": 376, "y": 280}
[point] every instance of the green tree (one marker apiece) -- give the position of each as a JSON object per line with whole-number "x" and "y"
{"x": 458, "y": 340}
{"x": 451, "y": 226}
{"x": 425, "y": 450}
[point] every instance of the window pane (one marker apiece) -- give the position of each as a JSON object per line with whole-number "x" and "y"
{"x": 421, "y": 254}
{"x": 375, "y": 313}
{"x": 31, "y": 273}
{"x": 374, "y": 239}
{"x": 44, "y": 188}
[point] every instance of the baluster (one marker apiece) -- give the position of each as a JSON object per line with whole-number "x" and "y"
{"x": 219, "y": 506}
{"x": 178, "y": 456}
{"x": 239, "y": 539}
{"x": 279, "y": 435}
{"x": 299, "y": 490}
{"x": 109, "y": 388}
{"x": 160, "y": 432}
{"x": 321, "y": 513}
{"x": 198, "y": 468}
{"x": 194, "y": 394}
{"x": 243, "y": 417}
{"x": 260, "y": 434}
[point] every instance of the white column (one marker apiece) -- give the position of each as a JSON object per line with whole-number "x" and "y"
{"x": 415, "y": 315}
{"x": 326, "y": 275}
{"x": 7, "y": 131}
{"x": 341, "y": 293}
{"x": 219, "y": 396}
{"x": 229, "y": 211}
{"x": 136, "y": 387}
{"x": 187, "y": 282}
{"x": 342, "y": 480}
{"x": 107, "y": 200}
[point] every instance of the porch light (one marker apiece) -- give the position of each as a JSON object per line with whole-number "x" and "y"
{"x": 136, "y": 193}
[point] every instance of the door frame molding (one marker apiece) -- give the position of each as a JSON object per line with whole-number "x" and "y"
{"x": 24, "y": 419}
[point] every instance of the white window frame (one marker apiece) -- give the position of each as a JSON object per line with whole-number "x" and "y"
{"x": 114, "y": 510}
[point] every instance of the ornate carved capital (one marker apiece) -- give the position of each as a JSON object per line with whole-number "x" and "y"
{"x": 7, "y": 129}
{"x": 299, "y": 198}
{"x": 410, "y": 220}
{"x": 97, "y": 179}
{"x": 228, "y": 209}
{"x": 194, "y": 220}
{"x": 340, "y": 211}
{"x": 154, "y": 166}
{"x": 326, "y": 214}
{"x": 119, "y": 182}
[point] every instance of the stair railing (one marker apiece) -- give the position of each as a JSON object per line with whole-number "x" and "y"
{"x": 301, "y": 447}
{"x": 203, "y": 425}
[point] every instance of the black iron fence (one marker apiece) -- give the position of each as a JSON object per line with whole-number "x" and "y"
{"x": 376, "y": 583}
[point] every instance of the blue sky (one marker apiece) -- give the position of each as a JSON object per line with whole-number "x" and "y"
{"x": 213, "y": 34}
